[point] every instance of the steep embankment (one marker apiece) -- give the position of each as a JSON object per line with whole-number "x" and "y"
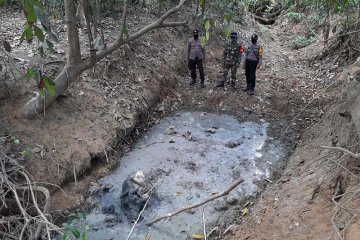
{"x": 317, "y": 196}
{"x": 82, "y": 129}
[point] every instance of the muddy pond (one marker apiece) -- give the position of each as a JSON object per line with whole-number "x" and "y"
{"x": 186, "y": 158}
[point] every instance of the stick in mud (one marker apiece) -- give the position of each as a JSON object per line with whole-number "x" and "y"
{"x": 218, "y": 195}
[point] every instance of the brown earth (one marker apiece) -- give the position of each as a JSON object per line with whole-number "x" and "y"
{"x": 87, "y": 130}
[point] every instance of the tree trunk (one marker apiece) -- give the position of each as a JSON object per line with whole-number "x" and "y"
{"x": 80, "y": 12}
{"x": 203, "y": 9}
{"x": 265, "y": 21}
{"x": 74, "y": 54}
{"x": 326, "y": 28}
{"x": 75, "y": 66}
{"x": 358, "y": 23}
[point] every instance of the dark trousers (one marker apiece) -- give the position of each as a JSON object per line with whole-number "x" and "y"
{"x": 250, "y": 73}
{"x": 192, "y": 66}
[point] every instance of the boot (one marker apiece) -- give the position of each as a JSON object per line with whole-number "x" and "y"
{"x": 251, "y": 92}
{"x": 193, "y": 82}
{"x": 221, "y": 84}
{"x": 202, "y": 85}
{"x": 233, "y": 84}
{"x": 246, "y": 89}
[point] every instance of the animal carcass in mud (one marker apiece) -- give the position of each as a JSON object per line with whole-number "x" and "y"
{"x": 136, "y": 191}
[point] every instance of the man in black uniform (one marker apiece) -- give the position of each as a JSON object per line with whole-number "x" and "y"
{"x": 195, "y": 56}
{"x": 253, "y": 61}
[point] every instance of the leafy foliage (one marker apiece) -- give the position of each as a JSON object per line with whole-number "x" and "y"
{"x": 71, "y": 230}
{"x": 300, "y": 42}
{"x": 294, "y": 17}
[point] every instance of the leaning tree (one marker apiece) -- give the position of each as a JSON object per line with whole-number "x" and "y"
{"x": 76, "y": 64}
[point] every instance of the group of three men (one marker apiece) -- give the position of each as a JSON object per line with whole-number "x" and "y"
{"x": 231, "y": 60}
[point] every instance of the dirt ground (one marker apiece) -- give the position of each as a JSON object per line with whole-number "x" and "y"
{"x": 86, "y": 131}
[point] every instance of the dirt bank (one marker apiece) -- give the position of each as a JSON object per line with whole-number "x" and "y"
{"x": 84, "y": 134}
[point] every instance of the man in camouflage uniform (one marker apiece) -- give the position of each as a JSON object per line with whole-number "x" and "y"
{"x": 231, "y": 59}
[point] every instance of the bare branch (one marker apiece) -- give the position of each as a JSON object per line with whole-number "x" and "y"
{"x": 354, "y": 155}
{"x": 159, "y": 23}
{"x": 218, "y": 195}
{"x": 150, "y": 27}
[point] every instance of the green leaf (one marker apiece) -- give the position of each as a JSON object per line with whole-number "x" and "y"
{"x": 207, "y": 35}
{"x": 27, "y": 34}
{"x": 30, "y": 73}
{"x": 228, "y": 17}
{"x": 126, "y": 31}
{"x": 39, "y": 33}
{"x": 28, "y": 9}
{"x": 26, "y": 152}
{"x": 203, "y": 40}
{"x": 84, "y": 235}
{"x": 50, "y": 85}
{"x": 41, "y": 51}
{"x": 50, "y": 45}
{"x": 2, "y": 2}
{"x": 227, "y": 32}
{"x": 216, "y": 23}
{"x": 66, "y": 236}
{"x": 76, "y": 233}
{"x": 16, "y": 141}
{"x": 207, "y": 25}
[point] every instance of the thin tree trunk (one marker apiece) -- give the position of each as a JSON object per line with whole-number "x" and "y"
{"x": 197, "y": 7}
{"x": 326, "y": 28}
{"x": 203, "y": 9}
{"x": 358, "y": 23}
{"x": 74, "y": 54}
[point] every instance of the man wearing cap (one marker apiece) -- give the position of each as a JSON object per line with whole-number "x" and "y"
{"x": 195, "y": 56}
{"x": 231, "y": 59}
{"x": 253, "y": 61}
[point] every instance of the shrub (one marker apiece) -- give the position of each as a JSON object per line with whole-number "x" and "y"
{"x": 294, "y": 17}
{"x": 300, "y": 42}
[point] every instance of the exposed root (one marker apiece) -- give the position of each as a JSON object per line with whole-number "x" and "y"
{"x": 24, "y": 206}
{"x": 354, "y": 155}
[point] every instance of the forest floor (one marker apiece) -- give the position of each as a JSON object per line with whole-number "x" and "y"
{"x": 83, "y": 135}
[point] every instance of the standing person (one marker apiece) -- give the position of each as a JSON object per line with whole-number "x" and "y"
{"x": 231, "y": 59}
{"x": 253, "y": 61}
{"x": 195, "y": 57}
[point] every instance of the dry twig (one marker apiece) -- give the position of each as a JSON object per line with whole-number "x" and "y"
{"x": 218, "y": 195}
{"x": 354, "y": 155}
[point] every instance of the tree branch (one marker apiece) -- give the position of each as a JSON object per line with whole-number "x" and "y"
{"x": 156, "y": 24}
{"x": 354, "y": 155}
{"x": 218, "y": 195}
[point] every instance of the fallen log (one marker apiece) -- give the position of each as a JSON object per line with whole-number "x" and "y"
{"x": 274, "y": 14}
{"x": 265, "y": 21}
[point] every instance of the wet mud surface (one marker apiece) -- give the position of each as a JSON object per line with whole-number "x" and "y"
{"x": 187, "y": 157}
